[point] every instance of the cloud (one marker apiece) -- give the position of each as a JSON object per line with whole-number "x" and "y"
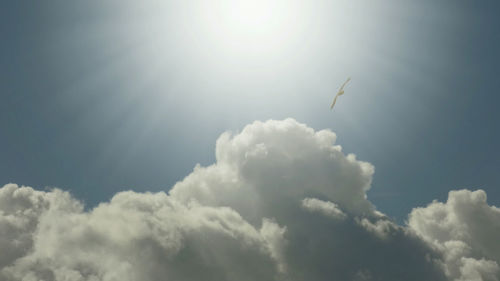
{"x": 466, "y": 230}
{"x": 269, "y": 166}
{"x": 133, "y": 237}
{"x": 325, "y": 207}
{"x": 282, "y": 202}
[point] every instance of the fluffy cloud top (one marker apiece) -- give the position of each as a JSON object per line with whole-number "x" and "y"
{"x": 325, "y": 207}
{"x": 467, "y": 230}
{"x": 282, "y": 202}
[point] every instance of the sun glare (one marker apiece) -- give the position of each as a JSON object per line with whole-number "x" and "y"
{"x": 255, "y": 16}
{"x": 250, "y": 13}
{"x": 251, "y": 25}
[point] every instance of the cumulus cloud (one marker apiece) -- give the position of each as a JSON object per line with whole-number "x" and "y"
{"x": 281, "y": 202}
{"x": 134, "y": 237}
{"x": 325, "y": 207}
{"x": 466, "y": 230}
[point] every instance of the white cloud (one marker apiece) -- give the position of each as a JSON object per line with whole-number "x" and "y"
{"x": 466, "y": 230}
{"x": 138, "y": 237}
{"x": 282, "y": 202}
{"x": 325, "y": 207}
{"x": 269, "y": 165}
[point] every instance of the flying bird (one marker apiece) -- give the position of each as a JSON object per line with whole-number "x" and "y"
{"x": 340, "y": 92}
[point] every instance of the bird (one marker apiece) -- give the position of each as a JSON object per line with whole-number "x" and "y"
{"x": 340, "y": 92}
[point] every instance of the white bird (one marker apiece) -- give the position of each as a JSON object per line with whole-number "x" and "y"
{"x": 340, "y": 92}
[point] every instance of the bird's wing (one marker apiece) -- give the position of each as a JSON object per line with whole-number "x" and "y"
{"x": 343, "y": 85}
{"x": 334, "y": 101}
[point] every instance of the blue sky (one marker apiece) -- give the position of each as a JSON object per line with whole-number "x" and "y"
{"x": 98, "y": 98}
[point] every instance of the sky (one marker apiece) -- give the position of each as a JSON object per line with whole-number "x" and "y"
{"x": 98, "y": 97}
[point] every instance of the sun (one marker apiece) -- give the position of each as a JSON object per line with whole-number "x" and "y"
{"x": 255, "y": 17}
{"x": 251, "y": 26}
{"x": 251, "y": 15}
